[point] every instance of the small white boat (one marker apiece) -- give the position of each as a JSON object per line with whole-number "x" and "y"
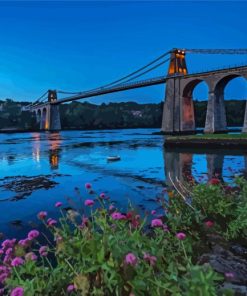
{"x": 113, "y": 158}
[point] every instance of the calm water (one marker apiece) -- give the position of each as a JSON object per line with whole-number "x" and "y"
{"x": 72, "y": 158}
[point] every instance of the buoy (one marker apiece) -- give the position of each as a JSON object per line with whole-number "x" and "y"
{"x": 113, "y": 158}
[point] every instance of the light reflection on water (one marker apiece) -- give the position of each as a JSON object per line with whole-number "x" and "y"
{"x": 81, "y": 156}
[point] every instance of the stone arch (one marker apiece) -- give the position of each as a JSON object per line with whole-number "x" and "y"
{"x": 221, "y": 84}
{"x": 187, "y": 110}
{"x": 191, "y": 85}
{"x": 223, "y": 81}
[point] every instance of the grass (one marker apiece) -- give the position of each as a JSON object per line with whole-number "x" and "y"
{"x": 208, "y": 137}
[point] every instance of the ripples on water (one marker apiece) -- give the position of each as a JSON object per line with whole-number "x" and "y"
{"x": 69, "y": 159}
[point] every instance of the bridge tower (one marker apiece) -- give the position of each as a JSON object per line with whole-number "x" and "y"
{"x": 53, "y": 114}
{"x": 178, "y": 111}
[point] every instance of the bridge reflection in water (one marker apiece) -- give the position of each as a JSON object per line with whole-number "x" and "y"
{"x": 54, "y": 142}
{"x": 54, "y": 150}
{"x": 179, "y": 164}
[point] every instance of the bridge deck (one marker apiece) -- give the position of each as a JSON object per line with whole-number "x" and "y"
{"x": 138, "y": 84}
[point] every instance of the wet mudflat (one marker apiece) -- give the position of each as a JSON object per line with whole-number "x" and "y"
{"x": 39, "y": 169}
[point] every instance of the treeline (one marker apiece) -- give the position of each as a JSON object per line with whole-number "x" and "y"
{"x": 12, "y": 116}
{"x": 112, "y": 115}
{"x": 84, "y": 115}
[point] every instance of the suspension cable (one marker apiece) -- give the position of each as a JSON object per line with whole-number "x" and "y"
{"x": 138, "y": 70}
{"x": 217, "y": 51}
{"x": 145, "y": 72}
{"x": 127, "y": 76}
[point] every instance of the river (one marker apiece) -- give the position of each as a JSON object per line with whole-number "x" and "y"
{"x": 39, "y": 169}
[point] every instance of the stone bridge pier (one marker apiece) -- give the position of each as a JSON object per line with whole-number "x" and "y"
{"x": 47, "y": 114}
{"x": 178, "y": 111}
{"x": 48, "y": 117}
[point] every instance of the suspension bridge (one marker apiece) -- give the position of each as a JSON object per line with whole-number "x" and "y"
{"x": 178, "y": 112}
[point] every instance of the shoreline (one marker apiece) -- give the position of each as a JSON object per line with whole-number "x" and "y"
{"x": 207, "y": 141}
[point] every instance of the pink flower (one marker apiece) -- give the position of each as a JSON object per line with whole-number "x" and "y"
{"x": 19, "y": 291}
{"x": 89, "y": 202}
{"x": 24, "y": 243}
{"x": 3, "y": 277}
{"x": 209, "y": 223}
{"x": 51, "y": 222}
{"x": 33, "y": 234}
{"x": 59, "y": 239}
{"x": 88, "y": 186}
{"x": 165, "y": 228}
{"x": 181, "y": 235}
{"x": 43, "y": 251}
{"x": 156, "y": 223}
{"x": 1, "y": 252}
{"x": 4, "y": 268}
{"x": 9, "y": 251}
{"x": 102, "y": 195}
{"x": 42, "y": 215}
{"x": 7, "y": 259}
{"x": 150, "y": 259}
{"x": 17, "y": 261}
{"x": 30, "y": 257}
{"x": 153, "y": 212}
{"x": 214, "y": 181}
{"x": 58, "y": 204}
{"x": 118, "y": 216}
{"x": 130, "y": 259}
{"x": 229, "y": 275}
{"x": 70, "y": 288}
{"x": 111, "y": 207}
{"x": 8, "y": 243}
{"x": 84, "y": 222}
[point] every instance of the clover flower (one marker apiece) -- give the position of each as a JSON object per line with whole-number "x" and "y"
{"x": 42, "y": 215}
{"x": 8, "y": 243}
{"x": 18, "y": 291}
{"x": 150, "y": 259}
{"x": 58, "y": 204}
{"x": 214, "y": 181}
{"x": 181, "y": 235}
{"x": 209, "y": 223}
{"x": 130, "y": 259}
{"x": 30, "y": 257}
{"x": 33, "y": 234}
{"x": 118, "y": 216}
{"x": 70, "y": 288}
{"x": 229, "y": 275}
{"x": 24, "y": 243}
{"x": 43, "y": 251}
{"x": 156, "y": 223}
{"x": 17, "y": 261}
{"x": 51, "y": 222}
{"x": 102, "y": 195}
{"x": 88, "y": 186}
{"x": 89, "y": 202}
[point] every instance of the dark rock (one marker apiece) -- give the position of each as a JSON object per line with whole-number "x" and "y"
{"x": 239, "y": 290}
{"x": 224, "y": 261}
{"x": 239, "y": 250}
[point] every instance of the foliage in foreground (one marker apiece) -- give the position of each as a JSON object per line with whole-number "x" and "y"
{"x": 114, "y": 253}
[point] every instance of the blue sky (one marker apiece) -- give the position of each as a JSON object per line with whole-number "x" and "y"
{"x": 76, "y": 46}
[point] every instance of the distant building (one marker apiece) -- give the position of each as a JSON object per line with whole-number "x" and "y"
{"x": 136, "y": 113}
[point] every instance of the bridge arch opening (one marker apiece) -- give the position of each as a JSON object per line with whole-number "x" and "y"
{"x": 44, "y": 121}
{"x": 195, "y": 96}
{"x": 38, "y": 115}
{"x": 233, "y": 90}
